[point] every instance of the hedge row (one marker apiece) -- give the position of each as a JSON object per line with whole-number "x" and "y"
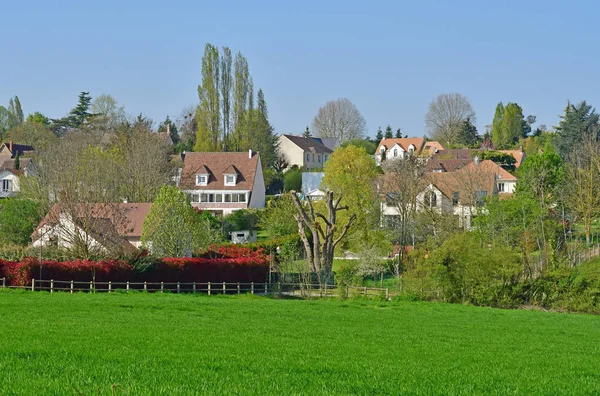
{"x": 221, "y": 265}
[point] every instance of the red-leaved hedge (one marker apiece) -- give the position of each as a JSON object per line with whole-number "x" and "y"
{"x": 224, "y": 264}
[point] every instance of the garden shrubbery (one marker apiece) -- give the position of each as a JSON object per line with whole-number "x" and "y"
{"x": 223, "y": 264}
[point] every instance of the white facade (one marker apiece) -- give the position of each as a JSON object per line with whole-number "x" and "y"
{"x": 296, "y": 155}
{"x": 244, "y": 236}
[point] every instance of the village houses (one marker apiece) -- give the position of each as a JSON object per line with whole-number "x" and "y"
{"x": 223, "y": 182}
{"x": 306, "y": 152}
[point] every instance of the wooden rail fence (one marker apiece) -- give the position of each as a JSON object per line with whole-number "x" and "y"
{"x": 209, "y": 288}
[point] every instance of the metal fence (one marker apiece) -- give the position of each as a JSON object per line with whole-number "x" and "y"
{"x": 209, "y": 288}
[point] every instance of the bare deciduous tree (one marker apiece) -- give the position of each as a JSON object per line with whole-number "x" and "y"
{"x": 446, "y": 115}
{"x": 339, "y": 119}
{"x": 402, "y": 183}
{"x": 323, "y": 240}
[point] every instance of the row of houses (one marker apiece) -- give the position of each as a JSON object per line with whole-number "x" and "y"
{"x": 224, "y": 182}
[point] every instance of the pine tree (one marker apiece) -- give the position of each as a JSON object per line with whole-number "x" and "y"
{"x": 577, "y": 124}
{"x": 468, "y": 134}
{"x": 307, "y": 133}
{"x": 379, "y": 135}
{"x": 388, "y": 132}
{"x": 497, "y": 137}
{"x": 398, "y": 133}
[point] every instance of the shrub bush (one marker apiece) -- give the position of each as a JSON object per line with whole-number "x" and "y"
{"x": 225, "y": 264}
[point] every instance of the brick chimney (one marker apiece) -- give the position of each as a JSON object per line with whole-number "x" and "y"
{"x": 10, "y": 147}
{"x": 250, "y": 153}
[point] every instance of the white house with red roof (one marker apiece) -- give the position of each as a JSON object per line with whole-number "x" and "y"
{"x": 10, "y": 174}
{"x": 222, "y": 183}
{"x": 402, "y": 147}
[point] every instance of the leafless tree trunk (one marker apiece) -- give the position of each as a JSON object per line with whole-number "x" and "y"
{"x": 339, "y": 119}
{"x": 320, "y": 247}
{"x": 446, "y": 116}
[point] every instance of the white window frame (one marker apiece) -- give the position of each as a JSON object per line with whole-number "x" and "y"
{"x": 502, "y": 187}
{"x": 230, "y": 183}
{"x": 199, "y": 182}
{"x": 6, "y": 185}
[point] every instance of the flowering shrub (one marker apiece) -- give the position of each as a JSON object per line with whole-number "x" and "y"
{"x": 224, "y": 264}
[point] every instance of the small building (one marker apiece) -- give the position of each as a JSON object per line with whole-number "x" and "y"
{"x": 243, "y": 236}
{"x": 10, "y": 175}
{"x": 222, "y": 183}
{"x": 105, "y": 227}
{"x": 393, "y": 148}
{"x": 10, "y": 150}
{"x": 311, "y": 185}
{"x": 307, "y": 152}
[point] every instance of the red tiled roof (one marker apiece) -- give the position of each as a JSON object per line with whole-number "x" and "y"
{"x": 519, "y": 155}
{"x": 218, "y": 165}
{"x": 402, "y": 142}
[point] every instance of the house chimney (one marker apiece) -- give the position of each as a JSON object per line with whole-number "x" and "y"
{"x": 10, "y": 146}
{"x": 169, "y": 129}
{"x": 250, "y": 153}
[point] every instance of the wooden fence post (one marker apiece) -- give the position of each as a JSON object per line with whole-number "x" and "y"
{"x": 51, "y": 285}
{"x": 387, "y": 293}
{"x": 209, "y": 288}
{"x": 194, "y": 288}
{"x": 162, "y": 287}
{"x": 325, "y": 289}
{"x": 127, "y": 286}
{"x": 3, "y": 283}
{"x": 238, "y": 287}
{"x": 33, "y": 284}
{"x": 251, "y": 287}
{"x": 266, "y": 288}
{"x": 178, "y": 287}
{"x": 145, "y": 286}
{"x": 91, "y": 286}
{"x": 71, "y": 286}
{"x": 347, "y": 291}
{"x": 109, "y": 286}
{"x": 365, "y": 290}
{"x": 224, "y": 288}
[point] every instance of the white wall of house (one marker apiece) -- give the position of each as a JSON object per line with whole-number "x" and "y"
{"x": 12, "y": 181}
{"x": 257, "y": 197}
{"x": 292, "y": 154}
{"x": 506, "y": 186}
{"x": 62, "y": 235}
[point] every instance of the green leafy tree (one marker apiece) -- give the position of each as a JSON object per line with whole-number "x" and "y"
{"x": 14, "y": 106}
{"x": 369, "y": 146}
{"x": 497, "y": 133}
{"x": 39, "y": 118}
{"x": 32, "y": 133}
{"x": 292, "y": 179}
{"x": 512, "y": 125}
{"x": 173, "y": 228}
{"x": 349, "y": 173}
{"x": 579, "y": 122}
{"x": 17, "y": 160}
{"x": 78, "y": 116}
{"x": 18, "y": 218}
{"x": 398, "y": 134}
{"x": 226, "y": 88}
{"x": 277, "y": 219}
{"x": 209, "y": 116}
{"x": 108, "y": 112}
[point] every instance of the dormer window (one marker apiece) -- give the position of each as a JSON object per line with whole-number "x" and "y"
{"x": 230, "y": 180}
{"x": 202, "y": 180}
{"x": 395, "y": 152}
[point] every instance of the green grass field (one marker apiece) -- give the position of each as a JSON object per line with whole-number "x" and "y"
{"x": 181, "y": 344}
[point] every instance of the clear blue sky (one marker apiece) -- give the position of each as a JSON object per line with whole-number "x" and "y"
{"x": 390, "y": 58}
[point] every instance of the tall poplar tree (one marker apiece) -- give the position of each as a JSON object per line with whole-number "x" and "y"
{"x": 512, "y": 124}
{"x": 497, "y": 138}
{"x": 209, "y": 115}
{"x": 226, "y": 86}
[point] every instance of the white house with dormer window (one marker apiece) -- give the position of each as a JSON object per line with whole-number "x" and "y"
{"x": 222, "y": 183}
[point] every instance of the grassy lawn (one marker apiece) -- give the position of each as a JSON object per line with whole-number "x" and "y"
{"x": 176, "y": 344}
